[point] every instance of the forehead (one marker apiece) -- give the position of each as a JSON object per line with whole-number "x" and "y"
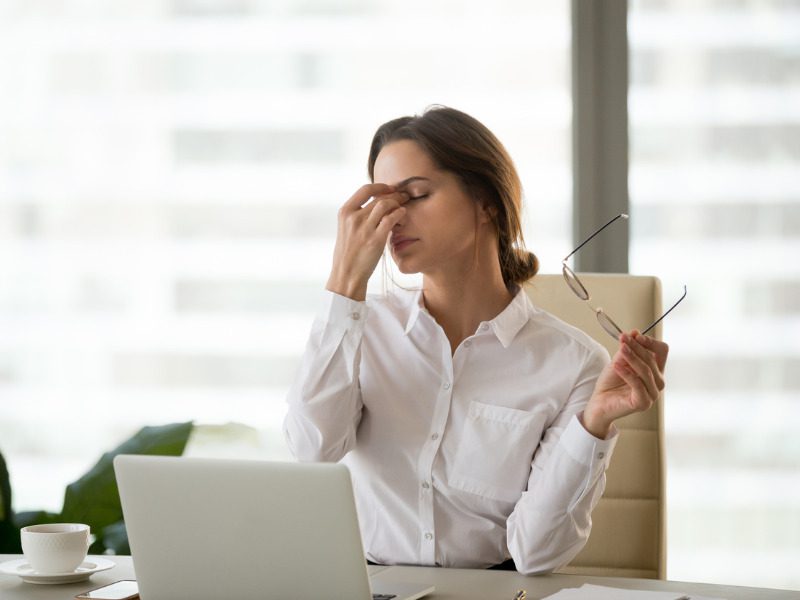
{"x": 400, "y": 160}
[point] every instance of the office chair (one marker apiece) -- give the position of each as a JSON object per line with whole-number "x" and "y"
{"x": 628, "y": 531}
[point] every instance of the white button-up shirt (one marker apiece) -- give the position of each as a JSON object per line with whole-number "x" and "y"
{"x": 463, "y": 459}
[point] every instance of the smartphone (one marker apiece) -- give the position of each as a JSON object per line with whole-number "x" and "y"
{"x": 119, "y": 590}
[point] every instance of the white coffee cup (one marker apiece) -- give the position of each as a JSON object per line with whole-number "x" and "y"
{"x": 55, "y": 548}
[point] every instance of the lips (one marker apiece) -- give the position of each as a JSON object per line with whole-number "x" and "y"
{"x": 400, "y": 242}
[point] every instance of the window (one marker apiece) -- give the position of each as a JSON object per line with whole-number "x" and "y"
{"x": 170, "y": 172}
{"x": 715, "y": 202}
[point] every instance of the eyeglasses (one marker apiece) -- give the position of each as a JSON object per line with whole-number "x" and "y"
{"x": 575, "y": 284}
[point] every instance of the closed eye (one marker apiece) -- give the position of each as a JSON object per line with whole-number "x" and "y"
{"x": 420, "y": 197}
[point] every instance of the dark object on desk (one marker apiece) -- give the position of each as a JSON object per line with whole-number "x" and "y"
{"x": 94, "y": 499}
{"x": 505, "y": 566}
{"x": 508, "y": 565}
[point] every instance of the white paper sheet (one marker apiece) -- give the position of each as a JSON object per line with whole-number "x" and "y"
{"x": 599, "y": 592}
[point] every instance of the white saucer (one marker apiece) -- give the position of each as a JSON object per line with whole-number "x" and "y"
{"x": 23, "y": 569}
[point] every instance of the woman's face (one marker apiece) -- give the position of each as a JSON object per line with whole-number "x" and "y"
{"x": 438, "y": 230}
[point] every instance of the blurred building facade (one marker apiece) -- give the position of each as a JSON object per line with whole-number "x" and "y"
{"x": 714, "y": 104}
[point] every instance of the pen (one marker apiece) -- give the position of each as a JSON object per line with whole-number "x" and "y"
{"x": 522, "y": 594}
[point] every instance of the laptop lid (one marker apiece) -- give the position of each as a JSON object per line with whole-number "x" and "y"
{"x": 210, "y": 528}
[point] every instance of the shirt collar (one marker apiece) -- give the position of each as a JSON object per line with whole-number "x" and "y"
{"x": 505, "y": 326}
{"x": 416, "y": 306}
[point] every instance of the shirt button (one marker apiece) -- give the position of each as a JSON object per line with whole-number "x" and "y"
{"x": 428, "y": 536}
{"x": 425, "y": 485}
{"x": 601, "y": 455}
{"x": 435, "y": 436}
{"x": 446, "y": 385}
{"x": 355, "y": 316}
{"x": 467, "y": 344}
{"x": 483, "y": 327}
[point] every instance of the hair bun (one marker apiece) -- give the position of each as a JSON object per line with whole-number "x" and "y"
{"x": 520, "y": 266}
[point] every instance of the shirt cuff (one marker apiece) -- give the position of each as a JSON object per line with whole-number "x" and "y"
{"x": 586, "y": 449}
{"x": 338, "y": 309}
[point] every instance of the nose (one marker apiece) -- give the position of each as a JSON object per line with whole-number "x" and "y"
{"x": 399, "y": 225}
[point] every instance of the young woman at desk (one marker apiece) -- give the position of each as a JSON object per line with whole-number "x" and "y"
{"x": 477, "y": 427}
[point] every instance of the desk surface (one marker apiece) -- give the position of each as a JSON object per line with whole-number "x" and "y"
{"x": 451, "y": 584}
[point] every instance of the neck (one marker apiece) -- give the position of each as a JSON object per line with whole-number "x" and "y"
{"x": 461, "y": 299}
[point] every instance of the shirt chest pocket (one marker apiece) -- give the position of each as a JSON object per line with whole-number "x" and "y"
{"x": 495, "y": 451}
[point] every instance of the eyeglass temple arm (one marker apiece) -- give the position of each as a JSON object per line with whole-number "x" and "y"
{"x": 586, "y": 241}
{"x": 661, "y": 318}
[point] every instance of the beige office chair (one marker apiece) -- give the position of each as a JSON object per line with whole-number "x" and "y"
{"x": 628, "y": 531}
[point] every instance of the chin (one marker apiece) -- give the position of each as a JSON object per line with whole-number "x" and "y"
{"x": 405, "y": 266}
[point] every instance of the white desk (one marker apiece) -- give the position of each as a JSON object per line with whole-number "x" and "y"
{"x": 451, "y": 584}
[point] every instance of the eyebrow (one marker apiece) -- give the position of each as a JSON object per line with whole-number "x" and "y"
{"x": 405, "y": 182}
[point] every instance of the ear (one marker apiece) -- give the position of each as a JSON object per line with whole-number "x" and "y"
{"x": 487, "y": 213}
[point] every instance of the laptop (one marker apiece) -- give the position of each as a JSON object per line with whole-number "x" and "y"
{"x": 209, "y": 528}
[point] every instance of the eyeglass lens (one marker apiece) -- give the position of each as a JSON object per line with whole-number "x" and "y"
{"x": 608, "y": 324}
{"x": 574, "y": 283}
{"x": 577, "y": 286}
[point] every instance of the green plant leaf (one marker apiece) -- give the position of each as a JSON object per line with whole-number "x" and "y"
{"x": 5, "y": 491}
{"x": 35, "y": 517}
{"x": 9, "y": 532}
{"x": 94, "y": 498}
{"x": 115, "y": 538}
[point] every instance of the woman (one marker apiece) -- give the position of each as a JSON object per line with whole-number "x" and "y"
{"x": 477, "y": 427}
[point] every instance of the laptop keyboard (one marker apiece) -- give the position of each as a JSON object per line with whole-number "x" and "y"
{"x": 383, "y": 596}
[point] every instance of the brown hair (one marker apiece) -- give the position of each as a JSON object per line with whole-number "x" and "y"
{"x": 462, "y": 145}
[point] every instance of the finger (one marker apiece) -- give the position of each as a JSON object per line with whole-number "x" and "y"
{"x": 389, "y": 220}
{"x": 639, "y": 397}
{"x": 384, "y": 205}
{"x": 652, "y": 346}
{"x": 657, "y": 347}
{"x": 642, "y": 370}
{"x": 646, "y": 356}
{"x": 363, "y": 194}
{"x": 649, "y": 375}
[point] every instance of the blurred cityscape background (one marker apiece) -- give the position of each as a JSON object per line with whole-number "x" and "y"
{"x": 170, "y": 172}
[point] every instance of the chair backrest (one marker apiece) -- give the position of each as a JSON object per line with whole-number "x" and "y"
{"x": 628, "y": 531}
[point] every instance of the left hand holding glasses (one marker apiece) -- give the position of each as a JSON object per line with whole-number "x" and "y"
{"x": 630, "y": 383}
